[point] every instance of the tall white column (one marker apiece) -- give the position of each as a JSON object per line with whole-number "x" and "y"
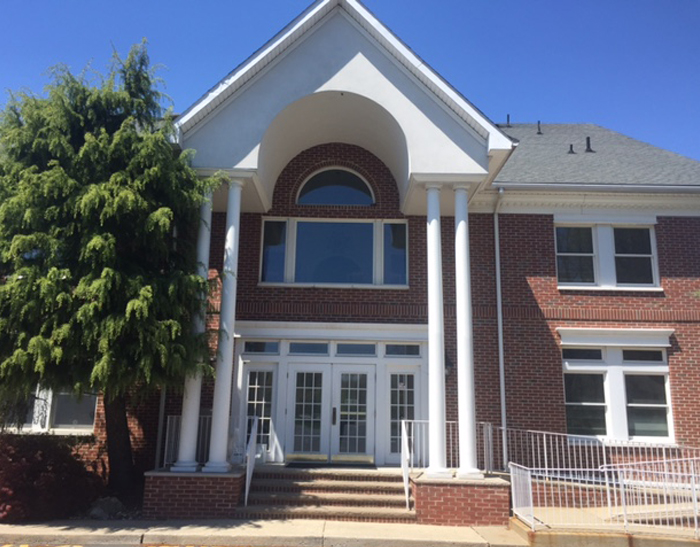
{"x": 189, "y": 424}
{"x": 437, "y": 463}
{"x": 221, "y": 411}
{"x": 465, "y": 342}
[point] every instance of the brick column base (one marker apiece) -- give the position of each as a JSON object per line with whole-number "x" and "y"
{"x": 460, "y": 502}
{"x": 170, "y": 495}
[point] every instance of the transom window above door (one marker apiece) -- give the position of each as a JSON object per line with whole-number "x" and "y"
{"x": 335, "y": 187}
{"x": 347, "y": 252}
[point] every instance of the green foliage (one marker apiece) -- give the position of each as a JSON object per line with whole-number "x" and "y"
{"x": 98, "y": 220}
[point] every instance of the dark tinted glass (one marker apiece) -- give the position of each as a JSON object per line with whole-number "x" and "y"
{"x": 647, "y": 422}
{"x": 334, "y": 252}
{"x": 574, "y": 240}
{"x": 70, "y": 411}
{"x": 274, "y": 242}
{"x": 335, "y": 187}
{"x": 632, "y": 241}
{"x": 582, "y": 353}
{"x": 403, "y": 349}
{"x": 261, "y": 347}
{"x": 395, "y": 254}
{"x": 585, "y": 420}
{"x": 645, "y": 390}
{"x": 634, "y": 270}
{"x": 575, "y": 269}
{"x": 584, "y": 388}
{"x": 357, "y": 349}
{"x": 317, "y": 348}
{"x": 642, "y": 355}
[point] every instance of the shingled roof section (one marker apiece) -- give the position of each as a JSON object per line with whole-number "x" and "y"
{"x": 616, "y": 160}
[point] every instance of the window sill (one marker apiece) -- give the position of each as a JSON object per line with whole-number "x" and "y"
{"x": 58, "y": 431}
{"x": 599, "y": 288}
{"x": 334, "y": 286}
{"x": 666, "y": 442}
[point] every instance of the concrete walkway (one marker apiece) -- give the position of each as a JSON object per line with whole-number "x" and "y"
{"x": 263, "y": 533}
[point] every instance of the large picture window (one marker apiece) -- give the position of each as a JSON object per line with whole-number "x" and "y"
{"x": 620, "y": 393}
{"x": 310, "y": 251}
{"x": 606, "y": 256}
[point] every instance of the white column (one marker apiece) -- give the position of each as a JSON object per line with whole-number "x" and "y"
{"x": 437, "y": 463}
{"x": 189, "y": 424}
{"x": 465, "y": 342}
{"x": 221, "y": 411}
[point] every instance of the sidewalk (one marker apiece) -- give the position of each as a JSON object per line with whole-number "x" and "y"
{"x": 263, "y": 533}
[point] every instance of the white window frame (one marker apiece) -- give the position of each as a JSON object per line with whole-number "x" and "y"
{"x": 603, "y": 256}
{"x": 290, "y": 252}
{"x": 612, "y": 342}
{"x": 45, "y": 411}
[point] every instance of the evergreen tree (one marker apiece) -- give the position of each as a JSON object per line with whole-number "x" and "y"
{"x": 98, "y": 220}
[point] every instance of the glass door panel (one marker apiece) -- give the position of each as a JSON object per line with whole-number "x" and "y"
{"x": 353, "y": 413}
{"x": 308, "y": 419}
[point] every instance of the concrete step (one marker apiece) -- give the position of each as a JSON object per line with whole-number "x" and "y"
{"x": 326, "y": 499}
{"x": 357, "y": 514}
{"x": 331, "y": 473}
{"x": 324, "y": 485}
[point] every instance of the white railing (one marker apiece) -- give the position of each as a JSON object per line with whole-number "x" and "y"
{"x": 544, "y": 450}
{"x": 250, "y": 456}
{"x": 172, "y": 439}
{"x": 405, "y": 463}
{"x": 635, "y": 497}
{"x": 418, "y": 443}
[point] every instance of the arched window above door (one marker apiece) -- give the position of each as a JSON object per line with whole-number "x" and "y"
{"x": 335, "y": 187}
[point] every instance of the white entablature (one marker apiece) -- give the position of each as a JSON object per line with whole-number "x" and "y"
{"x": 336, "y": 74}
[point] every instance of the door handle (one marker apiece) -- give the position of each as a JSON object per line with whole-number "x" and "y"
{"x": 334, "y": 416}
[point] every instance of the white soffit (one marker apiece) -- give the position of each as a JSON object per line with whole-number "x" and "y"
{"x": 653, "y": 338}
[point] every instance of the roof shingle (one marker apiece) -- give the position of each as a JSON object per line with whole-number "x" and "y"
{"x": 616, "y": 160}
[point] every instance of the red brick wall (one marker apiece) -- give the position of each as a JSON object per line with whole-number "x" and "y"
{"x": 202, "y": 496}
{"x": 142, "y": 417}
{"x": 534, "y": 308}
{"x": 460, "y": 504}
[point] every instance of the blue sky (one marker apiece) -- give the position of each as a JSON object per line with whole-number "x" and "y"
{"x": 630, "y": 65}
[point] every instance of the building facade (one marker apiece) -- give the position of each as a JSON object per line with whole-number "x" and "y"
{"x": 385, "y": 252}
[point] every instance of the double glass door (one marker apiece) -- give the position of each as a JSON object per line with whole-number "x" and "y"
{"x": 331, "y": 413}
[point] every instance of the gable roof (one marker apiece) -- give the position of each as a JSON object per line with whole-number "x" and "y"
{"x": 402, "y": 54}
{"x": 618, "y": 162}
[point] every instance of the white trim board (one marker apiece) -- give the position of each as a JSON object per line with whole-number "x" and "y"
{"x": 576, "y": 336}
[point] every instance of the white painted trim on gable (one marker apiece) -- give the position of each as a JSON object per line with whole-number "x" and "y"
{"x": 578, "y": 336}
{"x": 389, "y": 42}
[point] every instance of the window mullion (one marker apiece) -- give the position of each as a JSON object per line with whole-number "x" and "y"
{"x": 605, "y": 256}
{"x": 378, "y": 243}
{"x": 291, "y": 255}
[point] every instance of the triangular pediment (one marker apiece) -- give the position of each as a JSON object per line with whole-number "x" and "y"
{"x": 336, "y": 74}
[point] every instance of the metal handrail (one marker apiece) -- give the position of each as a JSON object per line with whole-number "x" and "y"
{"x": 405, "y": 463}
{"x": 250, "y": 457}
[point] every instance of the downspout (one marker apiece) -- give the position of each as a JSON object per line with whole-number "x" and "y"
{"x": 499, "y": 314}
